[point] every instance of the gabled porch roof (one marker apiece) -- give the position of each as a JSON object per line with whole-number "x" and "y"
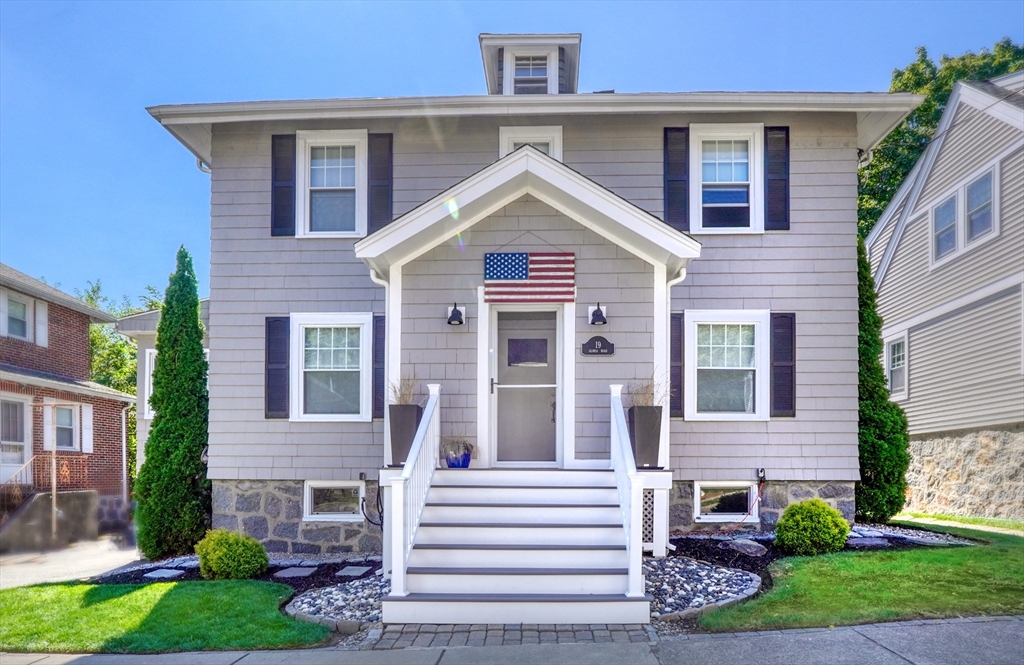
{"x": 527, "y": 171}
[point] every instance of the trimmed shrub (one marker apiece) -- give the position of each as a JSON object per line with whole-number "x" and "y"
{"x": 172, "y": 490}
{"x": 227, "y": 555}
{"x": 811, "y": 527}
{"x": 882, "y": 434}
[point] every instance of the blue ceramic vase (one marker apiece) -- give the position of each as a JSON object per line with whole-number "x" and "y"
{"x": 460, "y": 461}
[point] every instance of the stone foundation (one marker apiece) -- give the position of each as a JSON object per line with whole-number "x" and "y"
{"x": 271, "y": 512}
{"x": 114, "y": 514}
{"x": 973, "y": 473}
{"x": 775, "y": 497}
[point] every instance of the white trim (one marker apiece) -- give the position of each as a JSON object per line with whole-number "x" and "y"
{"x": 887, "y": 361}
{"x": 1000, "y": 109}
{"x": 483, "y": 373}
{"x": 948, "y": 307}
{"x": 87, "y": 427}
{"x": 42, "y": 323}
{"x": 147, "y": 387}
{"x": 959, "y": 191}
{"x": 6, "y": 295}
{"x": 50, "y": 429}
{"x": 760, "y": 318}
{"x": 567, "y": 386}
{"x": 726, "y": 517}
{"x": 550, "y": 134}
{"x": 304, "y": 140}
{"x": 393, "y": 356}
{"x": 301, "y": 321}
{"x": 753, "y": 133}
{"x": 307, "y": 501}
{"x": 28, "y": 419}
{"x": 509, "y": 69}
{"x": 662, "y": 354}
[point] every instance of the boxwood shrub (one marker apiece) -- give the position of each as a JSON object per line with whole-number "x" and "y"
{"x": 227, "y": 555}
{"x": 811, "y": 527}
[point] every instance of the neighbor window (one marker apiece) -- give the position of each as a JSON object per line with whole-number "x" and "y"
{"x": 17, "y": 318}
{"x": 725, "y": 502}
{"x": 546, "y": 139}
{"x": 65, "y": 427}
{"x": 726, "y": 365}
{"x": 531, "y": 75}
{"x": 148, "y": 412}
{"x": 726, "y": 188}
{"x": 897, "y": 367}
{"x": 332, "y": 377}
{"x": 944, "y": 225}
{"x": 331, "y": 200}
{"x": 12, "y": 433}
{"x": 331, "y": 500}
{"x": 979, "y": 207}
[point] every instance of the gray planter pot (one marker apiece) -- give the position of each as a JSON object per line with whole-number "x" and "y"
{"x": 645, "y": 435}
{"x": 404, "y": 420}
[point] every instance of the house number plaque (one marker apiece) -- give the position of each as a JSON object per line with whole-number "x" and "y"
{"x": 598, "y": 346}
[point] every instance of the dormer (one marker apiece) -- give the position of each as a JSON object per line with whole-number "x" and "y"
{"x": 531, "y": 64}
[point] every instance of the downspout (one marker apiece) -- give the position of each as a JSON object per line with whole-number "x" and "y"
{"x": 672, "y": 282}
{"x": 124, "y": 454}
{"x": 201, "y": 165}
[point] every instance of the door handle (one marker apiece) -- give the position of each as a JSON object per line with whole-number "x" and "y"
{"x": 553, "y": 411}
{"x": 494, "y": 383}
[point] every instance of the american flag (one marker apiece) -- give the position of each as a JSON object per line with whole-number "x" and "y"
{"x": 530, "y": 277}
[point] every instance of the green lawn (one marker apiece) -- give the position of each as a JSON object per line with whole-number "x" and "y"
{"x": 141, "y": 618}
{"x": 1016, "y": 525}
{"x": 864, "y": 587}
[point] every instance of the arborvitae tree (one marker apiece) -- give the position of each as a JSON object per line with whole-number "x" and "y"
{"x": 172, "y": 489}
{"x": 883, "y": 426}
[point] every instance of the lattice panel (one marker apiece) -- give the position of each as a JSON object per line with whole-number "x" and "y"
{"x": 648, "y": 536}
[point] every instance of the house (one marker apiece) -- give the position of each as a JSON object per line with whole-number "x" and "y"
{"x": 141, "y": 327}
{"x": 947, "y": 256}
{"x": 714, "y": 234}
{"x": 57, "y": 424}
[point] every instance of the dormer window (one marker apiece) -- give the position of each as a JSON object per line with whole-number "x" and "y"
{"x": 531, "y": 75}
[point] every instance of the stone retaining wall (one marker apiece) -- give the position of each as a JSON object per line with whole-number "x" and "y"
{"x": 973, "y": 473}
{"x": 114, "y": 514}
{"x": 775, "y": 497}
{"x": 271, "y": 512}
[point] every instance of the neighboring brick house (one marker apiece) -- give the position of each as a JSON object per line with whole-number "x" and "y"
{"x": 44, "y": 358}
{"x": 522, "y": 254}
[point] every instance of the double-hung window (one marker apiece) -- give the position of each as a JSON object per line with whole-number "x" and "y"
{"x": 531, "y": 75}
{"x": 966, "y": 217}
{"x": 331, "y": 179}
{"x": 896, "y": 367}
{"x": 530, "y": 70}
{"x": 726, "y": 192}
{"x": 726, "y": 365}
{"x": 331, "y": 367}
{"x": 979, "y": 207}
{"x": 14, "y": 425}
{"x": 944, "y": 228}
{"x": 65, "y": 427}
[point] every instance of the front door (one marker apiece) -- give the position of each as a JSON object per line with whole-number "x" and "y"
{"x": 525, "y": 388}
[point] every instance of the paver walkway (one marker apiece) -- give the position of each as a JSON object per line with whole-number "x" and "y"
{"x": 398, "y": 636}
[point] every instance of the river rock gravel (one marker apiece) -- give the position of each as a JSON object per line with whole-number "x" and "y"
{"x": 678, "y": 583}
{"x": 358, "y": 600}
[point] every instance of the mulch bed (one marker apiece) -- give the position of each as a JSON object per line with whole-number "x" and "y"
{"x": 324, "y": 576}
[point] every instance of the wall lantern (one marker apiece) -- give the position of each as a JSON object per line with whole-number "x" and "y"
{"x": 456, "y": 315}
{"x": 598, "y": 315}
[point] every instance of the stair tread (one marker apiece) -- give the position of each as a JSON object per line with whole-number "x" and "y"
{"x": 458, "y": 570}
{"x": 516, "y": 598}
{"x": 522, "y": 525}
{"x": 465, "y": 504}
{"x": 486, "y": 546}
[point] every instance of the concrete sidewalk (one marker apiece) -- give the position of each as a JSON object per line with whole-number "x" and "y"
{"x": 987, "y": 640}
{"x": 74, "y": 562}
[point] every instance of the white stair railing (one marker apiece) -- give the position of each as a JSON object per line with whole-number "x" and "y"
{"x": 631, "y": 493}
{"x": 409, "y": 490}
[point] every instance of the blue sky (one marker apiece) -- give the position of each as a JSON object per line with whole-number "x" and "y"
{"x": 92, "y": 188}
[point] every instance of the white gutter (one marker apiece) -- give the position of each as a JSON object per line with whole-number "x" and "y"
{"x": 67, "y": 387}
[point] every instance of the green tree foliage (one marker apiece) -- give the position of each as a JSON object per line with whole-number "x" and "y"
{"x": 172, "y": 489}
{"x": 883, "y": 439}
{"x": 896, "y": 155}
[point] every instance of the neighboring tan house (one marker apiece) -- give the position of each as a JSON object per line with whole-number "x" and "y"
{"x": 948, "y": 260}
{"x": 141, "y": 327}
{"x": 50, "y": 406}
{"x": 716, "y": 231}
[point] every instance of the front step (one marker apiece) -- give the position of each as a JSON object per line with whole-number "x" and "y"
{"x": 519, "y": 546}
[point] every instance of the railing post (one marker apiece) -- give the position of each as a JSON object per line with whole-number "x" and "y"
{"x": 398, "y": 536}
{"x": 635, "y": 548}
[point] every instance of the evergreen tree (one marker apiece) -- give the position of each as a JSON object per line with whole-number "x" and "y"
{"x": 883, "y": 439}
{"x": 172, "y": 490}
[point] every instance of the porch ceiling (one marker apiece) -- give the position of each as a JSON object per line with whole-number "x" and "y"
{"x": 527, "y": 171}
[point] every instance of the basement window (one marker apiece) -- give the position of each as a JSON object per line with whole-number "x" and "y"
{"x": 333, "y": 501}
{"x": 725, "y": 502}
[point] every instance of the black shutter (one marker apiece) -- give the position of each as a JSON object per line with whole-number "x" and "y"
{"x": 677, "y": 182}
{"x": 282, "y": 185}
{"x": 783, "y": 374}
{"x": 776, "y": 178}
{"x": 276, "y": 388}
{"x": 380, "y": 181}
{"x": 378, "y": 366}
{"x": 675, "y": 372}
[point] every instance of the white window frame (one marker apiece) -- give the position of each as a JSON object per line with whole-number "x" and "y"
{"x": 903, "y": 394}
{"x": 552, "y": 135}
{"x": 76, "y": 427}
{"x": 26, "y": 414}
{"x": 147, "y": 390}
{"x": 963, "y": 245}
{"x": 761, "y": 319}
{"x": 726, "y": 517}
{"x": 509, "y": 67}
{"x": 304, "y": 141}
{"x": 752, "y": 132}
{"x": 6, "y": 296}
{"x": 301, "y": 321}
{"x": 307, "y": 501}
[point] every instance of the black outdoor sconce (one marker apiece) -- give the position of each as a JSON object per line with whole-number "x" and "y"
{"x": 597, "y": 316}
{"x": 456, "y": 315}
